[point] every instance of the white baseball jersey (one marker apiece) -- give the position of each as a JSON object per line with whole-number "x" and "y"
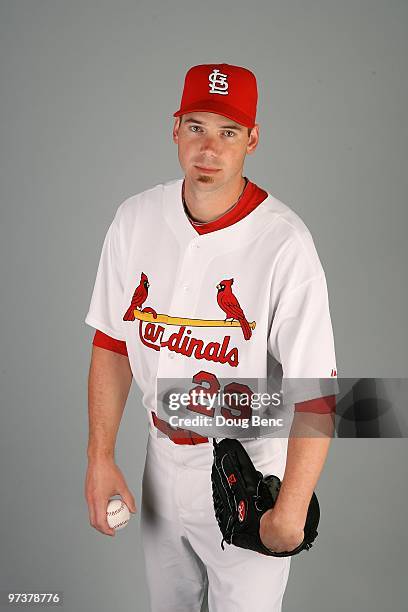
{"x": 278, "y": 281}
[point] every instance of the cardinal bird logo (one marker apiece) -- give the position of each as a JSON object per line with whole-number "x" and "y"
{"x": 139, "y": 296}
{"x": 230, "y": 305}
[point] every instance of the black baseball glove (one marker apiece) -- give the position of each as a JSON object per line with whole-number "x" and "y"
{"x": 241, "y": 495}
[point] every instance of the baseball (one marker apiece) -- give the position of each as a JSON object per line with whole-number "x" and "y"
{"x": 117, "y": 513}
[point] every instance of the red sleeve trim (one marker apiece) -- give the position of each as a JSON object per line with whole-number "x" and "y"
{"x": 320, "y": 405}
{"x": 106, "y": 342}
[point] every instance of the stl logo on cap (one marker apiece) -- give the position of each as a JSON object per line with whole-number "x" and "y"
{"x": 218, "y": 82}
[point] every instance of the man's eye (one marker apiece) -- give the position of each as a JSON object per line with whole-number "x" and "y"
{"x": 229, "y": 133}
{"x": 194, "y": 128}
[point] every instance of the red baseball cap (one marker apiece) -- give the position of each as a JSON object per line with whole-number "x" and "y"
{"x": 223, "y": 89}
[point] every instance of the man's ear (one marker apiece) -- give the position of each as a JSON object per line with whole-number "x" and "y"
{"x": 176, "y": 129}
{"x": 253, "y": 139}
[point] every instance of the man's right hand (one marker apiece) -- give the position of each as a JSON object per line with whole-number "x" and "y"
{"x": 104, "y": 480}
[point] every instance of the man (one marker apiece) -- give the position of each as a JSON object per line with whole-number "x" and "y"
{"x": 208, "y": 279}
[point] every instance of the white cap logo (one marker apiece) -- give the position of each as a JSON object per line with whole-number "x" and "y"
{"x": 218, "y": 82}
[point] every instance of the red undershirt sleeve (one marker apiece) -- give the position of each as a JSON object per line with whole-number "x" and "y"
{"x": 320, "y": 405}
{"x": 111, "y": 344}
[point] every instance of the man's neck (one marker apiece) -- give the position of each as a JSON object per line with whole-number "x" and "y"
{"x": 205, "y": 206}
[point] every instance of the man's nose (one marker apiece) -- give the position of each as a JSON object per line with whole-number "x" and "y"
{"x": 209, "y": 144}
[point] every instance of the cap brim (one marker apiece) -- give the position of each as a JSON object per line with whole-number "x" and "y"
{"x": 218, "y": 108}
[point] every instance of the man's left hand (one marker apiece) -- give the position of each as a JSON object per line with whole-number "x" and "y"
{"x": 280, "y": 535}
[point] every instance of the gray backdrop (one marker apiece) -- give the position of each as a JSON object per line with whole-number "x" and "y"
{"x": 88, "y": 88}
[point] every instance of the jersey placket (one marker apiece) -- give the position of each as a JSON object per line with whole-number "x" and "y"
{"x": 184, "y": 304}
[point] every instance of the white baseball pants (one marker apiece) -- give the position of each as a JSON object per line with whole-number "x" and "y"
{"x": 181, "y": 538}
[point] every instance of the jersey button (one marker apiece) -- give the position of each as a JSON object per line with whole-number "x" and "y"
{"x": 186, "y": 288}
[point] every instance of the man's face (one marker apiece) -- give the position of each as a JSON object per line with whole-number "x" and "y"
{"x": 212, "y": 148}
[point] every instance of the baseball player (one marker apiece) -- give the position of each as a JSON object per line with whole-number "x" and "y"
{"x": 208, "y": 279}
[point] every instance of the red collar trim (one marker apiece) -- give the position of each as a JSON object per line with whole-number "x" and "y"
{"x": 251, "y": 197}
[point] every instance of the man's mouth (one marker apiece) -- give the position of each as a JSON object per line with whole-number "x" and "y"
{"x": 207, "y": 170}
